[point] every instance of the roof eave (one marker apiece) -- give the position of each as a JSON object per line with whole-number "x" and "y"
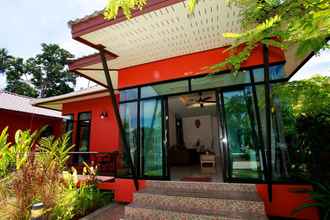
{"x": 92, "y": 23}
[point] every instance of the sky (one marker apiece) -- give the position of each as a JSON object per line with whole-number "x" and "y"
{"x": 25, "y": 24}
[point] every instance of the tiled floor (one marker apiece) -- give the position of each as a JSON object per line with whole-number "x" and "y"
{"x": 179, "y": 172}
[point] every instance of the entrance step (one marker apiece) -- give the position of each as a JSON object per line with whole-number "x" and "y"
{"x": 195, "y": 200}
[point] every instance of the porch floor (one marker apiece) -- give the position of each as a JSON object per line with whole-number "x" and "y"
{"x": 178, "y": 173}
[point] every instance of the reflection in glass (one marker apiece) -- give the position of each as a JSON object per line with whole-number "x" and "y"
{"x": 151, "y": 137}
{"x": 128, "y": 113}
{"x": 276, "y": 72}
{"x": 220, "y": 80}
{"x": 128, "y": 94}
{"x": 165, "y": 89}
{"x": 241, "y": 135}
{"x": 83, "y": 133}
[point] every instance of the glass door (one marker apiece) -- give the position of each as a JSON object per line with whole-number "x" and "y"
{"x": 153, "y": 138}
{"x": 241, "y": 140}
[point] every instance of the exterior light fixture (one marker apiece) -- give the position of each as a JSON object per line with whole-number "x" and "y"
{"x": 103, "y": 115}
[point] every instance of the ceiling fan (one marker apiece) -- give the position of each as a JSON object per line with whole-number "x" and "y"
{"x": 200, "y": 101}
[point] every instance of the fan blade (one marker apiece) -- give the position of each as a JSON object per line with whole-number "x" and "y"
{"x": 211, "y": 101}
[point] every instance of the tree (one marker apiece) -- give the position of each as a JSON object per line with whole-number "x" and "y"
{"x": 4, "y": 59}
{"x": 279, "y": 23}
{"x": 42, "y": 76}
{"x": 18, "y": 79}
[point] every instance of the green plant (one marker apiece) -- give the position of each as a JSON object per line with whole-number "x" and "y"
{"x": 77, "y": 200}
{"x": 29, "y": 176}
{"x": 55, "y": 149}
{"x": 6, "y": 157}
{"x": 320, "y": 197}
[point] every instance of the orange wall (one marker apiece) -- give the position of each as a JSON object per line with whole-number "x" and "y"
{"x": 20, "y": 120}
{"x": 186, "y": 66}
{"x": 286, "y": 199}
{"x": 104, "y": 135}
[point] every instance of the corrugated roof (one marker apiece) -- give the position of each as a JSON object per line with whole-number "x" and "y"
{"x": 14, "y": 102}
{"x": 85, "y": 18}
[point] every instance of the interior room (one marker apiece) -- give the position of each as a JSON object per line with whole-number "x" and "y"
{"x": 193, "y": 150}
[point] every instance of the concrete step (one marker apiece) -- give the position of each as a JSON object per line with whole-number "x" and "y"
{"x": 201, "y": 186}
{"x": 134, "y": 212}
{"x": 185, "y": 203}
{"x": 196, "y": 200}
{"x": 211, "y": 193}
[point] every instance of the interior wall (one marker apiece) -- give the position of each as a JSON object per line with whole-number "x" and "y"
{"x": 215, "y": 134}
{"x": 192, "y": 134}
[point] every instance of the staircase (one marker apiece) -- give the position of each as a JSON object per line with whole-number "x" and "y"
{"x": 196, "y": 200}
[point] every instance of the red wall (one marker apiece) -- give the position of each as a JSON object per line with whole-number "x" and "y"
{"x": 20, "y": 120}
{"x": 286, "y": 198}
{"x": 186, "y": 66}
{"x": 104, "y": 136}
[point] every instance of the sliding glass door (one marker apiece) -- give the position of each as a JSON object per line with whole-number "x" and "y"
{"x": 241, "y": 139}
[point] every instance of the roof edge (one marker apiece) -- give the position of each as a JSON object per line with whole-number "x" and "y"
{"x": 96, "y": 20}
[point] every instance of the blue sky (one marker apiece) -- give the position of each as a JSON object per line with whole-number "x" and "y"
{"x": 25, "y": 24}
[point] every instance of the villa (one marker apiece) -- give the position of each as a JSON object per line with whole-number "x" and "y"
{"x": 188, "y": 144}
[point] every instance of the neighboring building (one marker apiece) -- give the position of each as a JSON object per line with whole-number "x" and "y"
{"x": 17, "y": 112}
{"x": 175, "y": 119}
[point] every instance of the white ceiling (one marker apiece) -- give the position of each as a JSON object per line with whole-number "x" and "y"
{"x": 168, "y": 32}
{"x": 176, "y": 106}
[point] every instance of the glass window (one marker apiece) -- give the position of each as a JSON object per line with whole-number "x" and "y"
{"x": 68, "y": 125}
{"x": 84, "y": 116}
{"x": 68, "y": 122}
{"x": 151, "y": 137}
{"x": 83, "y": 131}
{"x": 128, "y": 95}
{"x": 220, "y": 80}
{"x": 242, "y": 138}
{"x": 276, "y": 72}
{"x": 128, "y": 113}
{"x": 165, "y": 89}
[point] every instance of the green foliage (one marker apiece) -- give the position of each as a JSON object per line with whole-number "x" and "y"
{"x": 280, "y": 23}
{"x": 44, "y": 75}
{"x": 79, "y": 201}
{"x": 305, "y": 107}
{"x": 31, "y": 171}
{"x": 321, "y": 199}
{"x": 306, "y": 97}
{"x": 55, "y": 149}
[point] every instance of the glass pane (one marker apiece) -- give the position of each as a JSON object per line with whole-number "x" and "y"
{"x": 276, "y": 72}
{"x": 220, "y": 80}
{"x": 151, "y": 137}
{"x": 165, "y": 89}
{"x": 84, "y": 116}
{"x": 241, "y": 135}
{"x": 128, "y": 95}
{"x": 280, "y": 116}
{"x": 128, "y": 112}
{"x": 83, "y": 136}
{"x": 68, "y": 122}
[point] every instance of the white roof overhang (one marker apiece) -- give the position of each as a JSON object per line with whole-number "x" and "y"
{"x": 161, "y": 33}
{"x": 167, "y": 32}
{"x": 56, "y": 102}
